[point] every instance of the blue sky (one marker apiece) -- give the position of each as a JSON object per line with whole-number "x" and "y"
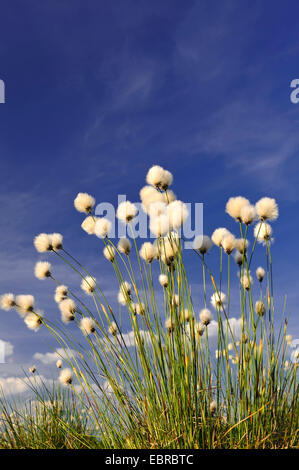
{"x": 97, "y": 92}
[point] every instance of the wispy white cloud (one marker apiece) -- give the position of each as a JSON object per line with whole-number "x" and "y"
{"x": 52, "y": 357}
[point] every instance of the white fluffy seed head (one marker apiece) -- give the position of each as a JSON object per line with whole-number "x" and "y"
{"x": 88, "y": 224}
{"x": 169, "y": 324}
{"x": 33, "y": 321}
{"x": 178, "y": 213}
{"x": 60, "y": 293}
{"x": 126, "y": 211}
{"x": 59, "y": 364}
{"x": 25, "y": 304}
{"x": 66, "y": 377}
{"x": 289, "y": 339}
{"x": 239, "y": 258}
{"x": 205, "y": 316}
{"x": 67, "y": 308}
{"x": 113, "y": 329}
{"x": 56, "y": 241}
{"x": 159, "y": 178}
{"x": 263, "y": 232}
{"x": 242, "y": 245}
{"x": 260, "y": 308}
{"x": 148, "y": 252}
{"x": 213, "y": 407}
{"x": 248, "y": 214}
{"x": 157, "y": 208}
{"x": 42, "y": 243}
{"x": 218, "y": 299}
{"x": 88, "y": 285}
{"x": 42, "y": 270}
{"x": 150, "y": 197}
{"x": 160, "y": 225}
{"x": 109, "y": 253}
{"x": 246, "y": 281}
{"x": 228, "y": 243}
{"x": 139, "y": 308}
{"x": 186, "y": 315}
{"x": 124, "y": 246}
{"x": 234, "y": 206}
{"x": 260, "y": 273}
{"x": 84, "y": 202}
{"x": 163, "y": 279}
{"x": 199, "y": 328}
{"x": 102, "y": 227}
{"x": 125, "y": 287}
{"x": 218, "y": 235}
{"x": 267, "y": 209}
{"x": 7, "y": 301}
{"x": 202, "y": 243}
{"x": 169, "y": 247}
{"x": 87, "y": 326}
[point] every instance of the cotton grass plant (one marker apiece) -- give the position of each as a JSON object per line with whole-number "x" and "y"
{"x": 163, "y": 384}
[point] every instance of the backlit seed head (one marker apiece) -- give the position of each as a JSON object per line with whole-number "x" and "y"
{"x": 163, "y": 279}
{"x": 126, "y": 211}
{"x": 218, "y": 235}
{"x": 59, "y": 364}
{"x": 199, "y": 328}
{"x": 60, "y": 293}
{"x": 186, "y": 315}
{"x": 112, "y": 329}
{"x": 33, "y": 321}
{"x": 260, "y": 308}
{"x": 124, "y": 246}
{"x": 205, "y": 316}
{"x": 246, "y": 281}
{"x": 159, "y": 178}
{"x": 289, "y": 339}
{"x": 228, "y": 243}
{"x": 42, "y": 243}
{"x": 148, "y": 252}
{"x": 66, "y": 377}
{"x": 102, "y": 227}
{"x": 42, "y": 270}
{"x": 213, "y": 407}
{"x": 160, "y": 225}
{"x": 126, "y": 287}
{"x": 84, "y": 202}
{"x": 87, "y": 326}
{"x": 202, "y": 243}
{"x": 139, "y": 308}
{"x": 109, "y": 253}
{"x": 88, "y": 224}
{"x": 169, "y": 324}
{"x": 238, "y": 258}
{"x": 25, "y": 304}
{"x": 260, "y": 274}
{"x": 218, "y": 299}
{"x": 7, "y": 301}
{"x": 178, "y": 213}
{"x": 248, "y": 214}
{"x": 88, "y": 285}
{"x": 234, "y": 206}
{"x": 267, "y": 208}
{"x": 263, "y": 232}
{"x": 242, "y": 245}
{"x": 56, "y": 241}
{"x": 67, "y": 308}
{"x": 32, "y": 369}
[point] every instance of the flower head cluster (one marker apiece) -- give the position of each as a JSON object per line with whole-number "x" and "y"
{"x": 159, "y": 178}
{"x": 84, "y": 202}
